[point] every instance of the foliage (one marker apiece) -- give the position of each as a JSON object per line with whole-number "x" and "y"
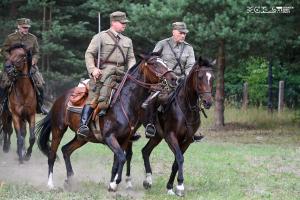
{"x": 66, "y": 34}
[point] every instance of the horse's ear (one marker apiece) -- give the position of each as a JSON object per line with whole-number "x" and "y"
{"x": 29, "y": 58}
{"x": 200, "y": 61}
{"x": 142, "y": 56}
{"x": 214, "y": 62}
{"x": 157, "y": 53}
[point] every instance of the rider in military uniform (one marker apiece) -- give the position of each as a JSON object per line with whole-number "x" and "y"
{"x": 116, "y": 56}
{"x": 22, "y": 36}
{"x": 179, "y": 56}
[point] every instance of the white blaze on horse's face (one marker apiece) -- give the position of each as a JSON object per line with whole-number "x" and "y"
{"x": 208, "y": 77}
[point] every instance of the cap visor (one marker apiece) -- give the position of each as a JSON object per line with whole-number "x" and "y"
{"x": 125, "y": 21}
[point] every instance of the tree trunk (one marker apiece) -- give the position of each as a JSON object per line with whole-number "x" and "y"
{"x": 219, "y": 109}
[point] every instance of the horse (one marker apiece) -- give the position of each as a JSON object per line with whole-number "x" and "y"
{"x": 178, "y": 122}
{"x": 116, "y": 125}
{"x": 22, "y": 103}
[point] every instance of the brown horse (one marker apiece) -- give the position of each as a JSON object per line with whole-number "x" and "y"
{"x": 179, "y": 122}
{"x": 116, "y": 126}
{"x": 22, "y": 102}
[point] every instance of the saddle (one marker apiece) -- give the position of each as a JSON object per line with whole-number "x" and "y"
{"x": 79, "y": 95}
{"x": 78, "y": 99}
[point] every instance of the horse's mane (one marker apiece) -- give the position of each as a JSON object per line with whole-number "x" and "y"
{"x": 22, "y": 46}
{"x": 134, "y": 67}
{"x": 17, "y": 46}
{"x": 200, "y": 63}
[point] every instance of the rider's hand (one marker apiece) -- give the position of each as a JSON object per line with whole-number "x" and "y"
{"x": 9, "y": 69}
{"x": 96, "y": 73}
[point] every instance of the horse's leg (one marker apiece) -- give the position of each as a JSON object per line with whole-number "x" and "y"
{"x": 7, "y": 132}
{"x": 31, "y": 137}
{"x": 113, "y": 144}
{"x": 128, "y": 165}
{"x": 57, "y": 135}
{"x": 23, "y": 132}
{"x": 177, "y": 164}
{"x": 67, "y": 150}
{"x": 146, "y": 151}
{"x": 114, "y": 169}
{"x": 20, "y": 136}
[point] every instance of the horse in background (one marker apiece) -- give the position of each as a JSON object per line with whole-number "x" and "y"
{"x": 22, "y": 102}
{"x": 116, "y": 126}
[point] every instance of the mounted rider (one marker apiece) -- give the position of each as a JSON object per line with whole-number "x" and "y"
{"x": 22, "y": 36}
{"x": 179, "y": 56}
{"x": 116, "y": 56}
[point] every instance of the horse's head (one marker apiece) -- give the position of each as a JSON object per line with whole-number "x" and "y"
{"x": 155, "y": 70}
{"x": 203, "y": 81}
{"x": 19, "y": 57}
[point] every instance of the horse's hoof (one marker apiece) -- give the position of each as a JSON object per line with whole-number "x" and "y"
{"x": 179, "y": 190}
{"x": 67, "y": 185}
{"x": 27, "y": 157}
{"x": 170, "y": 192}
{"x": 50, "y": 186}
{"x": 6, "y": 149}
{"x": 21, "y": 162}
{"x": 112, "y": 187}
{"x": 146, "y": 184}
{"x": 128, "y": 183}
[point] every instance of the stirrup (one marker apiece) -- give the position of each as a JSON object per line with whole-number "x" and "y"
{"x": 197, "y": 138}
{"x": 150, "y": 130}
{"x": 83, "y": 131}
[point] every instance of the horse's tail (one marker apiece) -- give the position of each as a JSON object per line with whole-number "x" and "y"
{"x": 43, "y": 130}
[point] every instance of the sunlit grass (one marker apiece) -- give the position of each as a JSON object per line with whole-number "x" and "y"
{"x": 258, "y": 118}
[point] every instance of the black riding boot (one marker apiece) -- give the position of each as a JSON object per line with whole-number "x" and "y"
{"x": 40, "y": 100}
{"x": 86, "y": 113}
{"x": 150, "y": 111}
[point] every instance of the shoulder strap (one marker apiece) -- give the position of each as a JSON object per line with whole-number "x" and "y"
{"x": 177, "y": 58}
{"x": 116, "y": 46}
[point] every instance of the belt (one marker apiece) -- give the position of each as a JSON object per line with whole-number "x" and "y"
{"x": 114, "y": 63}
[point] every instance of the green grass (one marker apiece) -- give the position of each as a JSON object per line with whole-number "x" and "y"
{"x": 240, "y": 162}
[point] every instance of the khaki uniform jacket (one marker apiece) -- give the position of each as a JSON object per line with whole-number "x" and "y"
{"x": 106, "y": 45}
{"x": 187, "y": 59}
{"x": 29, "y": 40}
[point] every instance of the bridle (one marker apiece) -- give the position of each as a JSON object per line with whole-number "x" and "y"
{"x": 160, "y": 86}
{"x": 199, "y": 101}
{"x": 18, "y": 65}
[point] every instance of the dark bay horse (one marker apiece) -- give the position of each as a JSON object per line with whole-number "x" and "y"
{"x": 22, "y": 102}
{"x": 116, "y": 126}
{"x": 179, "y": 122}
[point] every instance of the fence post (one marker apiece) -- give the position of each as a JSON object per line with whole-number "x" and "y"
{"x": 270, "y": 94}
{"x": 245, "y": 96}
{"x": 281, "y": 96}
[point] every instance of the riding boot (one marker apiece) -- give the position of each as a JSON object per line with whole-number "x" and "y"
{"x": 86, "y": 113}
{"x": 198, "y": 138}
{"x": 40, "y": 100}
{"x": 150, "y": 129}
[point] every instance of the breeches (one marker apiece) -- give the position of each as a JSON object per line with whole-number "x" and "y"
{"x": 101, "y": 89}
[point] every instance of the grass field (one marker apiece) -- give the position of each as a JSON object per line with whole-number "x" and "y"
{"x": 254, "y": 157}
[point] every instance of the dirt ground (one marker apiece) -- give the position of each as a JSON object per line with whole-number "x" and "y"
{"x": 88, "y": 170}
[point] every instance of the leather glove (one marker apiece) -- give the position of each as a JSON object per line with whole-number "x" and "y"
{"x": 9, "y": 69}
